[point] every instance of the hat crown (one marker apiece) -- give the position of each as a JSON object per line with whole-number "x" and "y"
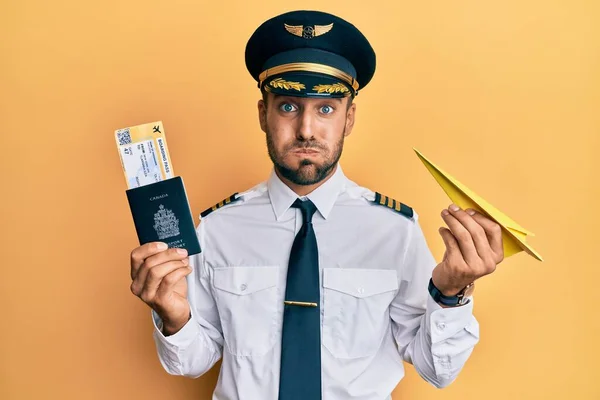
{"x": 311, "y": 37}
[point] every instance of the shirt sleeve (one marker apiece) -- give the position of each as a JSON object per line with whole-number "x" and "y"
{"x": 196, "y": 347}
{"x": 437, "y": 341}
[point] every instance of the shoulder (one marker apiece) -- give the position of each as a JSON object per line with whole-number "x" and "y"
{"x": 236, "y": 199}
{"x": 381, "y": 202}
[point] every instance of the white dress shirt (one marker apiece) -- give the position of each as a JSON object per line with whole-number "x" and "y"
{"x": 375, "y": 307}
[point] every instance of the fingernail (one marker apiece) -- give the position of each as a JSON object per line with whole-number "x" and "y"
{"x": 182, "y": 251}
{"x": 471, "y": 212}
{"x": 162, "y": 246}
{"x": 185, "y": 261}
{"x": 454, "y": 207}
{"x": 445, "y": 212}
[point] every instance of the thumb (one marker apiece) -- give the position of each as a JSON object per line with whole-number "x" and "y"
{"x": 449, "y": 241}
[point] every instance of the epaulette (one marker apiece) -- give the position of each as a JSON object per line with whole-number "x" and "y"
{"x": 220, "y": 204}
{"x": 393, "y": 204}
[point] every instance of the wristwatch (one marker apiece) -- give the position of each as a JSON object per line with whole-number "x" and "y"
{"x": 451, "y": 301}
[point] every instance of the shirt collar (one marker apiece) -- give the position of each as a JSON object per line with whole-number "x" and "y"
{"x": 323, "y": 197}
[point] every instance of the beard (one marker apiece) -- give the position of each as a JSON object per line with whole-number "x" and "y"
{"x": 308, "y": 172}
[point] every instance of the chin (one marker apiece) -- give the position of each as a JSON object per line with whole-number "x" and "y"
{"x": 307, "y": 166}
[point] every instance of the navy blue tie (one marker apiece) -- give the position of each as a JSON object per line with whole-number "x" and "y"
{"x": 300, "y": 374}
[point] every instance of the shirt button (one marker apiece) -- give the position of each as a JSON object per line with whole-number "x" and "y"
{"x": 441, "y": 326}
{"x": 361, "y": 290}
{"x": 243, "y": 287}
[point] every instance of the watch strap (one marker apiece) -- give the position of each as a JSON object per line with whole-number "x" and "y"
{"x": 438, "y": 297}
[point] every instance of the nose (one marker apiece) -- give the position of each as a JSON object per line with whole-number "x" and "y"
{"x": 306, "y": 127}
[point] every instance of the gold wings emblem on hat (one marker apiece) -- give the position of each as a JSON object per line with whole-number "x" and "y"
{"x": 308, "y": 32}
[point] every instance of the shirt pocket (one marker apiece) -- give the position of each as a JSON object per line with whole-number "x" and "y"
{"x": 356, "y": 310}
{"x": 246, "y": 298}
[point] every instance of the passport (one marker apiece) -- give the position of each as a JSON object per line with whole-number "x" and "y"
{"x": 161, "y": 213}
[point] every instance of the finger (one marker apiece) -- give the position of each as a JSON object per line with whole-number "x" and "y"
{"x": 156, "y": 275}
{"x": 173, "y": 254}
{"x": 139, "y": 255}
{"x": 164, "y": 256}
{"x": 493, "y": 231}
{"x": 172, "y": 279}
{"x": 159, "y": 258}
{"x": 452, "y": 247}
{"x": 463, "y": 237}
{"x": 478, "y": 236}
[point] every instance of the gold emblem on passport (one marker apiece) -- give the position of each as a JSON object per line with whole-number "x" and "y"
{"x": 308, "y": 32}
{"x": 335, "y": 88}
{"x": 287, "y": 85}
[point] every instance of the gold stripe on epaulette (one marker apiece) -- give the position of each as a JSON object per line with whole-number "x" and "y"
{"x": 222, "y": 203}
{"x": 393, "y": 204}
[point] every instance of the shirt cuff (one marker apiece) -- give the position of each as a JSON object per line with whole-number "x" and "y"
{"x": 181, "y": 338}
{"x": 444, "y": 323}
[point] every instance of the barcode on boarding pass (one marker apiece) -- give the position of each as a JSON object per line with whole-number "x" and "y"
{"x": 123, "y": 136}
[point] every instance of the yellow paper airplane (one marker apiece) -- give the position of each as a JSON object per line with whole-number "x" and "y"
{"x": 513, "y": 235}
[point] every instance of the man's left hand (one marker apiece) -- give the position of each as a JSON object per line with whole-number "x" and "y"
{"x": 473, "y": 249}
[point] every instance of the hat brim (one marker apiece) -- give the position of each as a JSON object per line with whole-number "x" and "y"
{"x": 305, "y": 84}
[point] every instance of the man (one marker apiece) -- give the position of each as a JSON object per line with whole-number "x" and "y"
{"x": 309, "y": 286}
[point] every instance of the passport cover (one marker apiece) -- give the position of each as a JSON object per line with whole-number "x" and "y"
{"x": 161, "y": 213}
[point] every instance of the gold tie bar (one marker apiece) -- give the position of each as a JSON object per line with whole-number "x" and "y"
{"x": 300, "y": 303}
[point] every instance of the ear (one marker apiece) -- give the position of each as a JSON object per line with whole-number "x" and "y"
{"x": 350, "y": 115}
{"x": 262, "y": 115}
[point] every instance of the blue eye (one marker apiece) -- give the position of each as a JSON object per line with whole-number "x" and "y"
{"x": 326, "y": 109}
{"x": 287, "y": 107}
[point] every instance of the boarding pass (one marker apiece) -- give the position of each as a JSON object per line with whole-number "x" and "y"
{"x": 144, "y": 154}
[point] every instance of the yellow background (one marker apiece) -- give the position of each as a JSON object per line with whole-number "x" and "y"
{"x": 503, "y": 95}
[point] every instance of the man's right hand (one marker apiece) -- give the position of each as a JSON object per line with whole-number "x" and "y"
{"x": 158, "y": 275}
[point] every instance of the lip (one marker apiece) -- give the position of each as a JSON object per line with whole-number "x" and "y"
{"x": 305, "y": 151}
